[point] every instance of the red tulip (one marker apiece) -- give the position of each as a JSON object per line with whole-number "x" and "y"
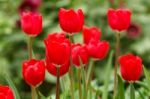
{"x": 71, "y": 21}
{"x": 33, "y": 72}
{"x": 131, "y": 67}
{"x": 58, "y": 48}
{"x": 119, "y": 19}
{"x": 134, "y": 31}
{"x": 79, "y": 52}
{"x": 34, "y": 3}
{"x": 29, "y": 5}
{"x": 52, "y": 68}
{"x": 6, "y": 92}
{"x": 91, "y": 33}
{"x": 98, "y": 49}
{"x": 31, "y": 23}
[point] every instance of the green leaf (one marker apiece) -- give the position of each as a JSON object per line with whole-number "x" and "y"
{"x": 10, "y": 82}
{"x": 147, "y": 75}
{"x": 141, "y": 95}
{"x": 121, "y": 92}
{"x": 132, "y": 91}
{"x": 40, "y": 95}
{"x": 108, "y": 74}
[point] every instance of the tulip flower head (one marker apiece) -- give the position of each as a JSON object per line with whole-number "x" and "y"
{"x": 6, "y": 92}
{"x": 33, "y": 72}
{"x": 119, "y": 19}
{"x": 131, "y": 67}
{"x": 52, "y": 68}
{"x": 71, "y": 21}
{"x": 98, "y": 49}
{"x": 91, "y": 33}
{"x": 58, "y": 49}
{"x": 31, "y": 23}
{"x": 79, "y": 52}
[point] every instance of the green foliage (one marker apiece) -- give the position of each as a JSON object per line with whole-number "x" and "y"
{"x": 121, "y": 91}
{"x": 107, "y": 75}
{"x": 11, "y": 84}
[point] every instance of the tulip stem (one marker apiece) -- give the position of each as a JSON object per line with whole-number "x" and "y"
{"x": 30, "y": 47}
{"x": 71, "y": 82}
{"x": 116, "y": 62}
{"x": 79, "y": 83}
{"x": 89, "y": 74}
{"x": 132, "y": 91}
{"x": 58, "y": 84}
{"x": 33, "y": 90}
{"x": 71, "y": 72}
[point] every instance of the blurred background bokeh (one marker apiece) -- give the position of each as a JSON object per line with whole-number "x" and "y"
{"x": 13, "y": 42}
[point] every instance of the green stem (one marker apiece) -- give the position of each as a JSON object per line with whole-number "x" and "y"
{"x": 71, "y": 72}
{"x": 58, "y": 84}
{"x": 116, "y": 63}
{"x": 89, "y": 73}
{"x": 30, "y": 41}
{"x": 71, "y": 38}
{"x": 79, "y": 83}
{"x": 84, "y": 96}
{"x": 33, "y": 91}
{"x": 132, "y": 91}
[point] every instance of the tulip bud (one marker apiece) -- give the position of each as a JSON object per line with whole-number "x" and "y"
{"x": 131, "y": 67}
{"x": 71, "y": 21}
{"x": 119, "y": 19}
{"x": 98, "y": 49}
{"x": 58, "y": 49}
{"x": 6, "y": 92}
{"x": 33, "y": 72}
{"x": 91, "y": 33}
{"x": 31, "y": 23}
{"x": 52, "y": 68}
{"x": 79, "y": 52}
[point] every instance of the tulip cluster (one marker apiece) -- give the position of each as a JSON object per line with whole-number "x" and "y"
{"x": 61, "y": 53}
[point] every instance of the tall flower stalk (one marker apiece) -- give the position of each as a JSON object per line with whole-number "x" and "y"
{"x": 119, "y": 20}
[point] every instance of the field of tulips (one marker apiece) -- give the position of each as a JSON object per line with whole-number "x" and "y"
{"x": 74, "y": 49}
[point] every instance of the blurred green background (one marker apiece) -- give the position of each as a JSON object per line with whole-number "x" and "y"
{"x": 13, "y": 42}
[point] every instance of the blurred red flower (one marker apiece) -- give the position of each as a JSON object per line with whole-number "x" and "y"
{"x": 6, "y": 92}
{"x": 79, "y": 52}
{"x": 134, "y": 30}
{"x": 31, "y": 23}
{"x": 71, "y": 21}
{"x": 119, "y": 19}
{"x": 91, "y": 33}
{"x": 131, "y": 67}
{"x": 33, "y": 72}
{"x": 58, "y": 49}
{"x": 98, "y": 49}
{"x": 52, "y": 68}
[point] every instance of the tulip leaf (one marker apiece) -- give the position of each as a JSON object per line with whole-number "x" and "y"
{"x": 141, "y": 95}
{"x": 147, "y": 75}
{"x": 121, "y": 92}
{"x": 10, "y": 82}
{"x": 132, "y": 91}
{"x": 108, "y": 73}
{"x": 41, "y": 96}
